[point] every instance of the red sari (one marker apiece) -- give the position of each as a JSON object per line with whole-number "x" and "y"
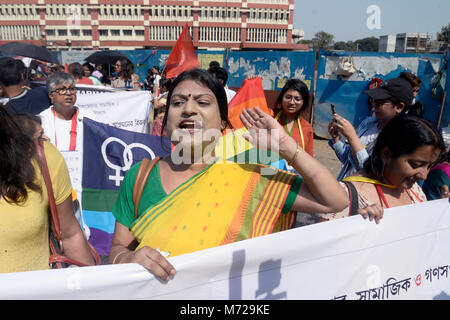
{"x": 305, "y": 130}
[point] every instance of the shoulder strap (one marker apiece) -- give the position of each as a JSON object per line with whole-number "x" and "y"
{"x": 353, "y": 197}
{"x": 141, "y": 179}
{"x": 51, "y": 198}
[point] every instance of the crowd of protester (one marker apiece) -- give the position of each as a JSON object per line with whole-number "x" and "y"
{"x": 385, "y": 161}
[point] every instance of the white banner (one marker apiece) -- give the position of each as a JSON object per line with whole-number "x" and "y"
{"x": 127, "y": 110}
{"x": 406, "y": 256}
{"x": 75, "y": 56}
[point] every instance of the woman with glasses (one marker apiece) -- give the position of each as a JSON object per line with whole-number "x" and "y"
{"x": 62, "y": 121}
{"x": 291, "y": 100}
{"x": 390, "y": 99}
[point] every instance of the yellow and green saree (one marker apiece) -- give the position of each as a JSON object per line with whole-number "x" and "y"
{"x": 223, "y": 203}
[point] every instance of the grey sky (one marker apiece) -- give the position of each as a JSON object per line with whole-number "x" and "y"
{"x": 347, "y": 19}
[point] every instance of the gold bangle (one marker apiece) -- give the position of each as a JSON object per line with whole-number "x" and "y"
{"x": 295, "y": 155}
{"x": 117, "y": 255}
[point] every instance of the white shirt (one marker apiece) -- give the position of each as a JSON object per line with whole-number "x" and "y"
{"x": 156, "y": 80}
{"x": 58, "y": 130}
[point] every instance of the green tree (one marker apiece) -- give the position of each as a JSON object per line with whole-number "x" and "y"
{"x": 323, "y": 40}
{"x": 444, "y": 35}
{"x": 368, "y": 44}
{"x": 346, "y": 46}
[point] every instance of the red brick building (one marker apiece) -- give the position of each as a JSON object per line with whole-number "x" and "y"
{"x": 134, "y": 24}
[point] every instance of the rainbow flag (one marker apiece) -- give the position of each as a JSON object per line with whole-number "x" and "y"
{"x": 108, "y": 153}
{"x": 233, "y": 146}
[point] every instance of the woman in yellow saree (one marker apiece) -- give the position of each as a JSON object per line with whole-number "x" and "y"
{"x": 191, "y": 202}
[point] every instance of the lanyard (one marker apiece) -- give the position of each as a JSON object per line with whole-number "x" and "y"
{"x": 378, "y": 185}
{"x": 369, "y": 180}
{"x": 73, "y": 130}
{"x": 292, "y": 131}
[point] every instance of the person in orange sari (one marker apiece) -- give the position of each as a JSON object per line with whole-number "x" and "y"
{"x": 292, "y": 98}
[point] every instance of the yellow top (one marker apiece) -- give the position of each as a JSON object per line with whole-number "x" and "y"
{"x": 24, "y": 228}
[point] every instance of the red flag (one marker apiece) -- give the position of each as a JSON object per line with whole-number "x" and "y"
{"x": 66, "y": 68}
{"x": 182, "y": 57}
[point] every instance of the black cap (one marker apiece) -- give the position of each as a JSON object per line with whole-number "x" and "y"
{"x": 397, "y": 88}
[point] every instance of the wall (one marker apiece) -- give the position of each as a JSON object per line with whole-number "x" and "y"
{"x": 345, "y": 93}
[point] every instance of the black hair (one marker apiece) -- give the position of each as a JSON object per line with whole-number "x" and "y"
{"x": 411, "y": 78}
{"x": 403, "y": 134}
{"x": 126, "y": 68}
{"x": 27, "y": 123}
{"x": 214, "y": 63}
{"x": 297, "y": 85}
{"x": 76, "y": 69}
{"x": 220, "y": 73}
{"x": 416, "y": 109}
{"x": 164, "y": 82}
{"x": 208, "y": 80}
{"x": 89, "y": 66}
{"x": 12, "y": 72}
{"x": 17, "y": 149}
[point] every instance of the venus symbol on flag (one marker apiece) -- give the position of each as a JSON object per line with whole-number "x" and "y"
{"x": 127, "y": 157}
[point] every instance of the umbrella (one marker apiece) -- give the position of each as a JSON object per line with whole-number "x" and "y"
{"x": 105, "y": 57}
{"x": 29, "y": 50}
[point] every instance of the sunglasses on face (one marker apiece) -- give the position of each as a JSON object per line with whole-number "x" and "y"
{"x": 382, "y": 102}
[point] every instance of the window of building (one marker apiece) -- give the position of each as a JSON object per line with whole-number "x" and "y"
{"x": 139, "y": 32}
{"x": 103, "y": 32}
{"x": 50, "y": 32}
{"x": 87, "y": 33}
{"x": 75, "y": 33}
{"x": 62, "y": 32}
{"x": 127, "y": 33}
{"x": 115, "y": 33}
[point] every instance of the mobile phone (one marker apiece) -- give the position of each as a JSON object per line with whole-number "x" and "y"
{"x": 333, "y": 112}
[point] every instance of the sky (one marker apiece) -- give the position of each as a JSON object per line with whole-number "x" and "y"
{"x": 349, "y": 20}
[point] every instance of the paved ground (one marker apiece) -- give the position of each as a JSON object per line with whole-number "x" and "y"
{"x": 325, "y": 155}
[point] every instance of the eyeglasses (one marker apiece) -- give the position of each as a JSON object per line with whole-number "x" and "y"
{"x": 289, "y": 98}
{"x": 65, "y": 90}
